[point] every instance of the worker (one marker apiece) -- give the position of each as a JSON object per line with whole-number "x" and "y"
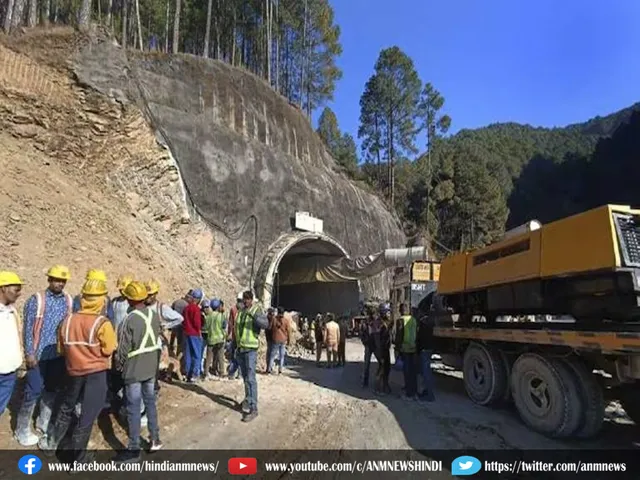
{"x": 87, "y": 340}
{"x": 331, "y": 340}
{"x": 205, "y": 309}
{"x": 370, "y": 337}
{"x": 120, "y": 305}
{"x": 342, "y": 345}
{"x": 405, "y": 344}
{"x": 10, "y": 336}
{"x": 120, "y": 308}
{"x": 175, "y": 343}
{"x": 43, "y": 313}
{"x": 425, "y": 350}
{"x": 233, "y": 371}
{"x": 248, "y": 324}
{"x": 318, "y": 333}
{"x": 281, "y": 330}
{"x": 169, "y": 319}
{"x": 215, "y": 327}
{"x": 138, "y": 360}
{"x": 268, "y": 334}
{"x": 99, "y": 275}
{"x": 383, "y": 350}
{"x": 192, "y": 336}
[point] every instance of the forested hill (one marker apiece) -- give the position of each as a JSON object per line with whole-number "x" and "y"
{"x": 508, "y": 147}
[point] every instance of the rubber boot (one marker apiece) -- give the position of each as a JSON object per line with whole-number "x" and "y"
{"x": 23, "y": 433}
{"x": 79, "y": 442}
{"x": 49, "y": 442}
{"x": 46, "y": 406}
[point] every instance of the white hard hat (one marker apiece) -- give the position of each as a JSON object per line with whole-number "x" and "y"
{"x": 239, "y": 296}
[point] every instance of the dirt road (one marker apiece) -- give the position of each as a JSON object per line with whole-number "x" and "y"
{"x": 317, "y": 408}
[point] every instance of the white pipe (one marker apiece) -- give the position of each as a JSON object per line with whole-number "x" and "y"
{"x": 530, "y": 226}
{"x": 396, "y": 257}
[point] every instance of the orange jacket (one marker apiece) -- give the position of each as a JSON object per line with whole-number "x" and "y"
{"x": 87, "y": 342}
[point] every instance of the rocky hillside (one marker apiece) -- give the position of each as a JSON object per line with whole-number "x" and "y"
{"x": 86, "y": 183}
{"x": 243, "y": 150}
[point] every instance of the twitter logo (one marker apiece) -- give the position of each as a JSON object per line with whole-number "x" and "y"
{"x": 465, "y": 465}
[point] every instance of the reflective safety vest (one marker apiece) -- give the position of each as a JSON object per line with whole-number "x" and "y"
{"x": 82, "y": 349}
{"x": 409, "y": 334}
{"x": 150, "y": 342}
{"x": 216, "y": 332}
{"x": 40, "y": 309}
{"x": 246, "y": 338}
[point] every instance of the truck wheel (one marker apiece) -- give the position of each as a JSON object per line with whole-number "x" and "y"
{"x": 630, "y": 400}
{"x": 591, "y": 397}
{"x": 485, "y": 374}
{"x": 545, "y": 393}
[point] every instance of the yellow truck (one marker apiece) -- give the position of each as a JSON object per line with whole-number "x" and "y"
{"x": 496, "y": 310}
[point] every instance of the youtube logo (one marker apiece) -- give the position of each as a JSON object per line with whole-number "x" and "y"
{"x": 243, "y": 466}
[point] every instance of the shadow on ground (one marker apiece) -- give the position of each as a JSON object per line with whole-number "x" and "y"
{"x": 453, "y": 415}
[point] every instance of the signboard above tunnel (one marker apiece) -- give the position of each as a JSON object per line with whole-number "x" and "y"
{"x": 305, "y": 222}
{"x": 425, "y": 271}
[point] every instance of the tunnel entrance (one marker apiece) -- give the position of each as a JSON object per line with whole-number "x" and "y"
{"x": 287, "y": 277}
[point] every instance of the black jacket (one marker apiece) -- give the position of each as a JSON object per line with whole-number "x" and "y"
{"x": 425, "y": 334}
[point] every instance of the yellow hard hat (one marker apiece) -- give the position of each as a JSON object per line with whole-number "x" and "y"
{"x": 153, "y": 287}
{"x": 135, "y": 291}
{"x": 123, "y": 281}
{"x": 60, "y": 272}
{"x": 9, "y": 278}
{"x": 94, "y": 274}
{"x": 94, "y": 287}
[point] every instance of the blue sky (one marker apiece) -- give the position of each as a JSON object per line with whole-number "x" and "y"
{"x": 542, "y": 62}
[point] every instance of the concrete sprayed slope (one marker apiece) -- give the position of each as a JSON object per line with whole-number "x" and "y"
{"x": 243, "y": 149}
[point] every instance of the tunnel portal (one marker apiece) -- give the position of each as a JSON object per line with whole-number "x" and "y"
{"x": 287, "y": 277}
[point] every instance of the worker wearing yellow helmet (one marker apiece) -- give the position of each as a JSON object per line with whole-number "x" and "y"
{"x": 98, "y": 276}
{"x": 44, "y": 311}
{"x": 87, "y": 340}
{"x": 10, "y": 336}
{"x": 138, "y": 359}
{"x": 120, "y": 304}
{"x": 169, "y": 318}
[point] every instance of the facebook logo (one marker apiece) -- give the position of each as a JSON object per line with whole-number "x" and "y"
{"x": 465, "y": 465}
{"x": 29, "y": 464}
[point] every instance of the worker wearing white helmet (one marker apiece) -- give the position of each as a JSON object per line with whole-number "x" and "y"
{"x": 10, "y": 336}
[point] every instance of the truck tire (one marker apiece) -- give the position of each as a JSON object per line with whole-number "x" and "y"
{"x": 591, "y": 397}
{"x": 630, "y": 400}
{"x": 545, "y": 392}
{"x": 485, "y": 374}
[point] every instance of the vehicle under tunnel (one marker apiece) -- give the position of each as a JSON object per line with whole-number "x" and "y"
{"x": 299, "y": 283}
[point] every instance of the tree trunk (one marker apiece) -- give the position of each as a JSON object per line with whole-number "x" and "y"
{"x": 176, "y": 28}
{"x": 207, "y": 33}
{"x": 99, "y": 11}
{"x": 217, "y": 27}
{"x": 304, "y": 53}
{"x": 18, "y": 12}
{"x": 109, "y": 13}
{"x": 139, "y": 25}
{"x": 166, "y": 28}
{"x": 269, "y": 39}
{"x": 277, "y": 47}
{"x": 46, "y": 12}
{"x": 33, "y": 13}
{"x": 124, "y": 22}
{"x": 8, "y": 15}
{"x": 84, "y": 15}
{"x": 233, "y": 42}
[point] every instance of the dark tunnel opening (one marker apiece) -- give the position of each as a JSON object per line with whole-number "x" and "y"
{"x": 295, "y": 288}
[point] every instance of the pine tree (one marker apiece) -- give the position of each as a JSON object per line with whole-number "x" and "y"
{"x": 388, "y": 108}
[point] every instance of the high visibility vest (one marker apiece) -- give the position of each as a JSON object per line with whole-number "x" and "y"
{"x": 40, "y": 309}
{"x": 409, "y": 334}
{"x": 82, "y": 349}
{"x": 216, "y": 333}
{"x": 245, "y": 336}
{"x": 149, "y": 343}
